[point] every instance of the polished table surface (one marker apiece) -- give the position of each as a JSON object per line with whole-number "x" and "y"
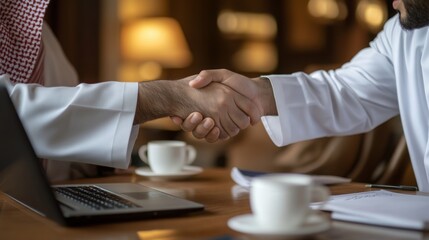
{"x": 213, "y": 188}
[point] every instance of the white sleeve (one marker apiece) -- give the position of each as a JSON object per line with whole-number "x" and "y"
{"x": 90, "y": 123}
{"x": 350, "y": 100}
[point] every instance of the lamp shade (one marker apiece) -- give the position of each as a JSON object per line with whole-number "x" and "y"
{"x": 158, "y": 40}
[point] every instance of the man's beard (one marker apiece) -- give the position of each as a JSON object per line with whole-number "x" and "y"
{"x": 417, "y": 14}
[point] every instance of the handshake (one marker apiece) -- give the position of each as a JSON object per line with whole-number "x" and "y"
{"x": 214, "y": 105}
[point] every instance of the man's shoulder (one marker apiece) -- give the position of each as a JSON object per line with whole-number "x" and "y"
{"x": 393, "y": 34}
{"x": 392, "y": 25}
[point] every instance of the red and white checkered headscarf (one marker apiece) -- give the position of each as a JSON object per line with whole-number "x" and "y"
{"x": 21, "y": 49}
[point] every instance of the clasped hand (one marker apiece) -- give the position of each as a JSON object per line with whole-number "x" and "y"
{"x": 241, "y": 102}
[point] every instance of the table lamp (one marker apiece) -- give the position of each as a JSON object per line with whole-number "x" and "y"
{"x": 152, "y": 44}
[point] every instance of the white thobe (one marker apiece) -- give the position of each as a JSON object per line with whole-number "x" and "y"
{"x": 89, "y": 123}
{"x": 388, "y": 78}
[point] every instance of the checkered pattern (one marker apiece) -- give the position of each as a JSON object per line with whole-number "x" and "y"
{"x": 21, "y": 50}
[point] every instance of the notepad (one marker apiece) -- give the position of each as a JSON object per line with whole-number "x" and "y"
{"x": 382, "y": 208}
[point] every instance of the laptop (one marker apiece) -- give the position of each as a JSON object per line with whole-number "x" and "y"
{"x": 23, "y": 178}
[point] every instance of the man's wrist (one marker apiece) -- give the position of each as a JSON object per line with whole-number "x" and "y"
{"x": 138, "y": 116}
{"x": 162, "y": 98}
{"x": 154, "y": 100}
{"x": 266, "y": 96}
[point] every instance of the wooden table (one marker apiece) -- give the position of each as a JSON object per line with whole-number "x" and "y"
{"x": 213, "y": 188}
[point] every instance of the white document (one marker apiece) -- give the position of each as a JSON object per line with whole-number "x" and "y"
{"x": 383, "y": 208}
{"x": 244, "y": 177}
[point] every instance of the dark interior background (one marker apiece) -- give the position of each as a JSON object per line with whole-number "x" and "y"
{"x": 77, "y": 26}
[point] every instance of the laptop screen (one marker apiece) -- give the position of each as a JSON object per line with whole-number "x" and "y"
{"x": 21, "y": 174}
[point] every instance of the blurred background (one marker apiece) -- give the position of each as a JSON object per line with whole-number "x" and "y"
{"x": 134, "y": 40}
{"x": 140, "y": 40}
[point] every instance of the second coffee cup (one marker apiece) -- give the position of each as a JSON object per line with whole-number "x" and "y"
{"x": 167, "y": 156}
{"x": 281, "y": 201}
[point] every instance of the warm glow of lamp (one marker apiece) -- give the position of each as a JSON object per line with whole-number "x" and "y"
{"x": 372, "y": 13}
{"x": 328, "y": 9}
{"x": 257, "y": 25}
{"x": 155, "y": 43}
{"x": 256, "y": 57}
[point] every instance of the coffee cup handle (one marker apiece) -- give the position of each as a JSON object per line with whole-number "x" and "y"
{"x": 191, "y": 154}
{"x": 143, "y": 154}
{"x": 320, "y": 194}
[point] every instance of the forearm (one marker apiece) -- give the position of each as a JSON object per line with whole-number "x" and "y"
{"x": 152, "y": 101}
{"x": 162, "y": 98}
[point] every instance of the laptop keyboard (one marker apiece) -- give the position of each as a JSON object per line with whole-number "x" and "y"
{"x": 94, "y": 197}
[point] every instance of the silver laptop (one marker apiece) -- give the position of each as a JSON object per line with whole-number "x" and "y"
{"x": 22, "y": 178}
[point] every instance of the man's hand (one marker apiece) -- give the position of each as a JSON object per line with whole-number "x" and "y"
{"x": 258, "y": 90}
{"x": 199, "y": 126}
{"x": 229, "y": 110}
{"x": 237, "y": 82}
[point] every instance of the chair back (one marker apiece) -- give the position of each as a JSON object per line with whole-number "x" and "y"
{"x": 377, "y": 148}
{"x": 398, "y": 170}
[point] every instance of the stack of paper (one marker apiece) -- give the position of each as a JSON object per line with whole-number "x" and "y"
{"x": 244, "y": 177}
{"x": 383, "y": 208}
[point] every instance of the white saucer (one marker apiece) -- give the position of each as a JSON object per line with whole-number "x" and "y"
{"x": 247, "y": 224}
{"x": 186, "y": 172}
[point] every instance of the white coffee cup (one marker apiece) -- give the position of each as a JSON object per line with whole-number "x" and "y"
{"x": 167, "y": 156}
{"x": 281, "y": 201}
